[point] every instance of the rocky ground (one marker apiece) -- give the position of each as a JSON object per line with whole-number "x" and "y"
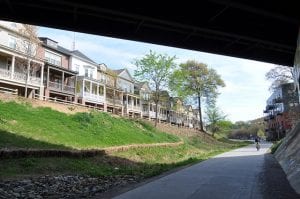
{"x": 63, "y": 186}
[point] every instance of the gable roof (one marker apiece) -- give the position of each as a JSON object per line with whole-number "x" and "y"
{"x": 59, "y": 48}
{"x": 120, "y": 71}
{"x": 82, "y": 56}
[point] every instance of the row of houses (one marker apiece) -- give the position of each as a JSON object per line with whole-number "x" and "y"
{"x": 55, "y": 72}
{"x": 281, "y": 112}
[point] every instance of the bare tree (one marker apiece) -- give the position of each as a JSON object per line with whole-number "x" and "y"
{"x": 279, "y": 75}
{"x": 29, "y": 46}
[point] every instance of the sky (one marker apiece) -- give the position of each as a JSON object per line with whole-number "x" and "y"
{"x": 243, "y": 98}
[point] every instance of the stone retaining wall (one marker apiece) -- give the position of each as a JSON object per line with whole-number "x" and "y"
{"x": 288, "y": 156}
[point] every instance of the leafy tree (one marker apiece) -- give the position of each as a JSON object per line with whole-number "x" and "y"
{"x": 279, "y": 75}
{"x": 156, "y": 69}
{"x": 195, "y": 80}
{"x": 214, "y": 116}
{"x": 261, "y": 133}
{"x": 225, "y": 125}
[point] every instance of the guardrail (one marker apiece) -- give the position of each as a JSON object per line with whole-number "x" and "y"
{"x": 8, "y": 90}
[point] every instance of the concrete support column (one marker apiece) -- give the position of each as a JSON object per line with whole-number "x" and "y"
{"x": 12, "y": 67}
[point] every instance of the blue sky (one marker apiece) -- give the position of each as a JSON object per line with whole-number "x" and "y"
{"x": 246, "y": 90}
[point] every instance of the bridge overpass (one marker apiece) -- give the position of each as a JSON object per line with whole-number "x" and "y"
{"x": 258, "y": 29}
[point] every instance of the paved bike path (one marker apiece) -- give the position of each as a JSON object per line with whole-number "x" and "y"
{"x": 234, "y": 174}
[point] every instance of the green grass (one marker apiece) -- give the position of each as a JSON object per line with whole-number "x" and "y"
{"x": 22, "y": 126}
{"x": 143, "y": 162}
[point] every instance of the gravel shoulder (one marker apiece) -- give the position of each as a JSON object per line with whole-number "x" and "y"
{"x": 273, "y": 181}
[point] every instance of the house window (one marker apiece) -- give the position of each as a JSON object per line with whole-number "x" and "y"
{"x": 52, "y": 58}
{"x": 88, "y": 72}
{"x": 28, "y": 47}
{"x": 94, "y": 89}
{"x": 87, "y": 86}
{"x": 101, "y": 90}
{"x": 12, "y": 42}
{"x": 77, "y": 67}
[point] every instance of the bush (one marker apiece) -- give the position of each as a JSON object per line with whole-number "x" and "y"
{"x": 275, "y": 146}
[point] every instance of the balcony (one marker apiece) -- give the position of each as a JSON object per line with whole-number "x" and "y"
{"x": 162, "y": 117}
{"x": 270, "y": 107}
{"x": 278, "y": 100}
{"x": 266, "y": 111}
{"x": 150, "y": 114}
{"x": 93, "y": 97}
{"x": 61, "y": 88}
{"x": 133, "y": 108}
{"x": 19, "y": 77}
{"x": 114, "y": 101}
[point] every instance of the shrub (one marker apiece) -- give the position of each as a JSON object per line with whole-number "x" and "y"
{"x": 275, "y": 146}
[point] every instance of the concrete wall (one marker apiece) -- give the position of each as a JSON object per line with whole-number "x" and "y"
{"x": 288, "y": 155}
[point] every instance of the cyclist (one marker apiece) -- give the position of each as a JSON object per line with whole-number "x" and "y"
{"x": 257, "y": 143}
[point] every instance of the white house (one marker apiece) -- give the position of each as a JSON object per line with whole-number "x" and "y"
{"x": 131, "y": 100}
{"x": 89, "y": 89}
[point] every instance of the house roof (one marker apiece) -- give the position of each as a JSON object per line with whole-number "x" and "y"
{"x": 81, "y": 55}
{"x": 58, "y": 49}
{"x": 119, "y": 71}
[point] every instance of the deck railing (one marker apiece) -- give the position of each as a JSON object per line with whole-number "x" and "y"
{"x": 19, "y": 77}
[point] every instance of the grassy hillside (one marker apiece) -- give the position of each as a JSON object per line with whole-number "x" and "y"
{"x": 142, "y": 162}
{"x": 22, "y": 126}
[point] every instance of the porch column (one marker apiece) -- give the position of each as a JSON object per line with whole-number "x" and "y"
{"x": 48, "y": 71}
{"x": 149, "y": 118}
{"x": 97, "y": 90}
{"x": 122, "y": 105}
{"x": 83, "y": 87}
{"x": 63, "y": 81}
{"x": 104, "y": 93}
{"x": 28, "y": 70}
{"x": 42, "y": 75}
{"x": 12, "y": 67}
{"x": 41, "y": 94}
{"x": 75, "y": 92}
{"x": 127, "y": 103}
{"x": 91, "y": 86}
